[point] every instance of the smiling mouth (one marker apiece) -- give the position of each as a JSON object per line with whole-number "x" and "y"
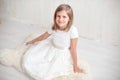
{"x": 60, "y": 22}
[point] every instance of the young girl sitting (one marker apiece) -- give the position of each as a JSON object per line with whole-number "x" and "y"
{"x": 55, "y": 55}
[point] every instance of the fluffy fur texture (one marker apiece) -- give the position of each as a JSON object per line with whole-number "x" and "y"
{"x": 13, "y": 57}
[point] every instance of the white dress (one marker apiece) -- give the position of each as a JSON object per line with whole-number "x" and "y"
{"x": 50, "y": 58}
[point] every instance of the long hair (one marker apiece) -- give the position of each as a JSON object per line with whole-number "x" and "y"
{"x": 69, "y": 12}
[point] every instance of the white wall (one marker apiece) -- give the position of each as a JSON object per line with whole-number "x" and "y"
{"x": 95, "y": 19}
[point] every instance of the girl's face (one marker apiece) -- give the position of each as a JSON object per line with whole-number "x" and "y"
{"x": 62, "y": 19}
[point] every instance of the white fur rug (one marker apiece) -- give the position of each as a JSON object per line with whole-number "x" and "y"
{"x": 13, "y": 58}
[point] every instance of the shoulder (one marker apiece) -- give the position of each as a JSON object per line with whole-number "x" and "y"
{"x": 73, "y": 32}
{"x": 73, "y": 28}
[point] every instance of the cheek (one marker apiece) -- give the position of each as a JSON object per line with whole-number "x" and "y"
{"x": 67, "y": 20}
{"x": 56, "y": 19}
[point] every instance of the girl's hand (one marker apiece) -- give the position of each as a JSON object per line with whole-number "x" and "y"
{"x": 78, "y": 70}
{"x": 29, "y": 42}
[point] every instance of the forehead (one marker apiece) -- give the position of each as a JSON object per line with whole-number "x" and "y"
{"x": 63, "y": 12}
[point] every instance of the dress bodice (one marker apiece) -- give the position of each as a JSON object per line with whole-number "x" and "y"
{"x": 61, "y": 39}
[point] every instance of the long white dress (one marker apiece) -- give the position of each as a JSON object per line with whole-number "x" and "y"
{"x": 50, "y": 58}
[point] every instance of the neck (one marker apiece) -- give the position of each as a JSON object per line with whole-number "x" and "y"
{"x": 63, "y": 29}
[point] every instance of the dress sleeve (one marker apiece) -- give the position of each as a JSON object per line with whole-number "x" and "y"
{"x": 74, "y": 32}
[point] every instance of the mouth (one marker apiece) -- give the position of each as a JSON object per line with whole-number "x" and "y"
{"x": 60, "y": 22}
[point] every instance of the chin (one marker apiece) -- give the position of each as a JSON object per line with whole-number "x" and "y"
{"x": 62, "y": 26}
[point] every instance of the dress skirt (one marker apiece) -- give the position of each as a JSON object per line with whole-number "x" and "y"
{"x": 44, "y": 61}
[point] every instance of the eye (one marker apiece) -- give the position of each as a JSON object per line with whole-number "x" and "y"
{"x": 58, "y": 16}
{"x": 64, "y": 16}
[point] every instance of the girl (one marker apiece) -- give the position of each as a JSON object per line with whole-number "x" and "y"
{"x": 55, "y": 56}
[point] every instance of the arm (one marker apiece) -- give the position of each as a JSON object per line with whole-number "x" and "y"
{"x": 39, "y": 38}
{"x": 73, "y": 51}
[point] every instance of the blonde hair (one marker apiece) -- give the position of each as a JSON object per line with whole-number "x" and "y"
{"x": 69, "y": 12}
